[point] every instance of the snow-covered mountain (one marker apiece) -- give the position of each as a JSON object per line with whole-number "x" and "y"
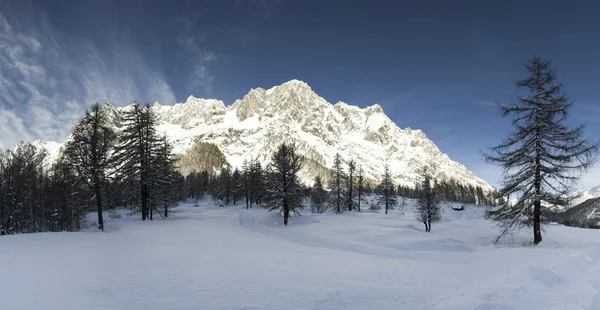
{"x": 252, "y": 127}
{"x": 585, "y": 214}
{"x": 585, "y": 194}
{"x": 51, "y": 148}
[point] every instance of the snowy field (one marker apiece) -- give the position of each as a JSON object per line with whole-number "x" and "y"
{"x": 209, "y": 257}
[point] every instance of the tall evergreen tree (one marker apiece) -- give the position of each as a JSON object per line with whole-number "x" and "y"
{"x": 246, "y": 173}
{"x": 542, "y": 157}
{"x": 428, "y": 209}
{"x": 88, "y": 153}
{"x": 360, "y": 179}
{"x": 284, "y": 191}
{"x": 336, "y": 185}
{"x": 350, "y": 194}
{"x": 237, "y": 180}
{"x": 318, "y": 197}
{"x": 257, "y": 181}
{"x": 135, "y": 152}
{"x": 163, "y": 177}
{"x": 387, "y": 196}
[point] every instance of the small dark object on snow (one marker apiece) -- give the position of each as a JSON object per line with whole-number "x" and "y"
{"x": 459, "y": 208}
{"x": 2, "y": 232}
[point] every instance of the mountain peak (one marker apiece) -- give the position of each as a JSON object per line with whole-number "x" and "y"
{"x": 295, "y": 85}
{"x": 376, "y": 108}
{"x": 295, "y": 82}
{"x": 253, "y": 127}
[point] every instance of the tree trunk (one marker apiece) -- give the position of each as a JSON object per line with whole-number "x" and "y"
{"x": 99, "y": 204}
{"x": 429, "y": 222}
{"x": 166, "y": 211}
{"x": 144, "y": 192}
{"x": 537, "y": 231}
{"x": 339, "y": 197}
{"x": 286, "y": 212}
{"x": 386, "y": 203}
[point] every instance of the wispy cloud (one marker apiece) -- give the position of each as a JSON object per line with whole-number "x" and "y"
{"x": 47, "y": 80}
{"x": 200, "y": 80}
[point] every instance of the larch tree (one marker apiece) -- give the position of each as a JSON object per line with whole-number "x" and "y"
{"x": 350, "y": 194}
{"x": 428, "y": 208}
{"x": 387, "y": 196}
{"x": 542, "y": 157}
{"x": 360, "y": 189}
{"x": 284, "y": 192}
{"x": 134, "y": 154}
{"x": 246, "y": 179}
{"x": 238, "y": 183}
{"x": 88, "y": 152}
{"x": 318, "y": 197}
{"x": 163, "y": 179}
{"x": 336, "y": 185}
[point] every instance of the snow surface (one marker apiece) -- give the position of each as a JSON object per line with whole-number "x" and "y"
{"x": 210, "y": 257}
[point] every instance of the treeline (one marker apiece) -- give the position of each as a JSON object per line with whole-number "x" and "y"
{"x": 98, "y": 169}
{"x": 346, "y": 191}
{"x": 454, "y": 192}
{"x": 101, "y": 168}
{"x": 34, "y": 199}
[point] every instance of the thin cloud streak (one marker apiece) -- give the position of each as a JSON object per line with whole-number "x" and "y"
{"x": 46, "y": 82}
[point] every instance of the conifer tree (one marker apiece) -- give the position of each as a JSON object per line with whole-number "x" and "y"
{"x": 387, "y": 196}
{"x": 237, "y": 180}
{"x": 336, "y": 183}
{"x": 257, "y": 182}
{"x": 542, "y": 157}
{"x": 284, "y": 192}
{"x": 224, "y": 186}
{"x": 88, "y": 153}
{"x": 428, "y": 209}
{"x": 350, "y": 194}
{"x": 246, "y": 173}
{"x": 318, "y": 197}
{"x": 360, "y": 179}
{"x": 134, "y": 155}
{"x": 164, "y": 178}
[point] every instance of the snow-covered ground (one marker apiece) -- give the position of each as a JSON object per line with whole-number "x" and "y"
{"x": 209, "y": 257}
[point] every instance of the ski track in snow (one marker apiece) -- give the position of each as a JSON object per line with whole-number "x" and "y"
{"x": 211, "y": 257}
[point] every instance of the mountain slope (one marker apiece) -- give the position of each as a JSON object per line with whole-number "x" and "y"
{"x": 585, "y": 194}
{"x": 585, "y": 214}
{"x": 256, "y": 124}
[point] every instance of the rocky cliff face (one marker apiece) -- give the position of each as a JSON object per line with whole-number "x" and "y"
{"x": 256, "y": 124}
{"x": 252, "y": 127}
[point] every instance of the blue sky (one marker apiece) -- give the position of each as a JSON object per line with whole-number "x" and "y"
{"x": 433, "y": 65}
